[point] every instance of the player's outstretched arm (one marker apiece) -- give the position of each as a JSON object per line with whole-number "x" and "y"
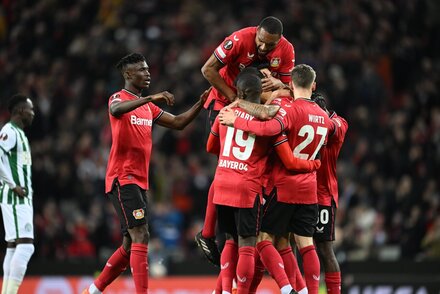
{"x": 260, "y": 128}
{"x": 295, "y": 164}
{"x": 260, "y": 111}
{"x": 179, "y": 122}
{"x": 210, "y": 71}
{"x": 118, "y": 108}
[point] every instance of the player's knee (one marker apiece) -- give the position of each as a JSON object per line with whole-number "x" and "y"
{"x": 140, "y": 234}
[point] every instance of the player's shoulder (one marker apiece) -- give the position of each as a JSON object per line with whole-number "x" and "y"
{"x": 284, "y": 47}
{"x": 248, "y": 32}
{"x": 119, "y": 96}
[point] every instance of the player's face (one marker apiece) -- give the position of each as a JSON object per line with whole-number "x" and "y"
{"x": 27, "y": 114}
{"x": 266, "y": 42}
{"x": 139, "y": 75}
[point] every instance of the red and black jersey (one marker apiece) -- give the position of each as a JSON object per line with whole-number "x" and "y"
{"x": 239, "y": 50}
{"x": 130, "y": 152}
{"x": 326, "y": 175}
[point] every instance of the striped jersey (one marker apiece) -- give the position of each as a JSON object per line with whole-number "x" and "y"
{"x": 16, "y": 162}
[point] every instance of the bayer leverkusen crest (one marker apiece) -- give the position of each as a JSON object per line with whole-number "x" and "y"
{"x": 275, "y": 62}
{"x": 138, "y": 213}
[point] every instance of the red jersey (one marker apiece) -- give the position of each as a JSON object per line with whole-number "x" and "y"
{"x": 239, "y": 50}
{"x": 130, "y": 153}
{"x": 326, "y": 174}
{"x": 307, "y": 127}
{"x": 241, "y": 164}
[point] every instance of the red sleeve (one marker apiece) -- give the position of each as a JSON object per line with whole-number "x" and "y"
{"x": 213, "y": 144}
{"x": 229, "y": 48}
{"x": 155, "y": 110}
{"x": 295, "y": 164}
{"x": 287, "y": 63}
{"x": 270, "y": 127}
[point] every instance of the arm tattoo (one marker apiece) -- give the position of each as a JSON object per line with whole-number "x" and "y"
{"x": 259, "y": 111}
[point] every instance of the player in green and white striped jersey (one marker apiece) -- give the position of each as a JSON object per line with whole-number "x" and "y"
{"x": 16, "y": 193}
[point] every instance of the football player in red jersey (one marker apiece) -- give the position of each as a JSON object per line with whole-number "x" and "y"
{"x": 263, "y": 44}
{"x": 296, "y": 207}
{"x": 131, "y": 119}
{"x": 238, "y": 185}
{"x": 328, "y": 199}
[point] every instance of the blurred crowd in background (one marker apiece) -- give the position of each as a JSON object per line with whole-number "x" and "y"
{"x": 377, "y": 61}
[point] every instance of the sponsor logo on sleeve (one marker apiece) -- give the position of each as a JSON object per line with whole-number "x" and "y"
{"x": 235, "y": 38}
{"x": 138, "y": 213}
{"x": 3, "y": 137}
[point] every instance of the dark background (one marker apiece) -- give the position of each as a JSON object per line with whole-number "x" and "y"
{"x": 377, "y": 62}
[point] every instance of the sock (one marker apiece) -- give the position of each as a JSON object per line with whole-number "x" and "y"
{"x": 245, "y": 268}
{"x": 7, "y": 267}
{"x": 303, "y": 291}
{"x": 292, "y": 269}
{"x": 311, "y": 268}
{"x": 94, "y": 290}
{"x": 116, "y": 264}
{"x": 333, "y": 282}
{"x": 228, "y": 265}
{"x": 218, "y": 285}
{"x": 258, "y": 274}
{"x": 273, "y": 262}
{"x": 18, "y": 266}
{"x": 139, "y": 267}
{"x": 208, "y": 230}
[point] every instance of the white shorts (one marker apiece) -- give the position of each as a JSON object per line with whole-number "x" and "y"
{"x": 18, "y": 221}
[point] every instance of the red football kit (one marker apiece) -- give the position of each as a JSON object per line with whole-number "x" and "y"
{"x": 307, "y": 127}
{"x": 241, "y": 164}
{"x": 239, "y": 50}
{"x": 130, "y": 153}
{"x": 326, "y": 174}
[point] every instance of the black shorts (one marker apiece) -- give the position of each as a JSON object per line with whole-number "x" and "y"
{"x": 244, "y": 222}
{"x": 325, "y": 229}
{"x": 131, "y": 205}
{"x": 280, "y": 218}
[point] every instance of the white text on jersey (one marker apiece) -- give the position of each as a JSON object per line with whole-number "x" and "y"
{"x": 232, "y": 164}
{"x": 140, "y": 121}
{"x": 243, "y": 114}
{"x": 316, "y": 119}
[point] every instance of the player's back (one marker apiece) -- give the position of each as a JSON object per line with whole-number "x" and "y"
{"x": 307, "y": 127}
{"x": 326, "y": 175}
{"x": 241, "y": 165}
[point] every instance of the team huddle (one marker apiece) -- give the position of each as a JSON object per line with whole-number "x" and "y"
{"x": 275, "y": 184}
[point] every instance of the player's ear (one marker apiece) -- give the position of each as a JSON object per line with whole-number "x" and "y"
{"x": 314, "y": 86}
{"x": 126, "y": 74}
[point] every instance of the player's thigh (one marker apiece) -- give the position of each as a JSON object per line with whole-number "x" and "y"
{"x": 276, "y": 217}
{"x": 325, "y": 229}
{"x": 131, "y": 205}
{"x": 18, "y": 221}
{"x": 226, "y": 220}
{"x": 305, "y": 218}
{"x": 248, "y": 220}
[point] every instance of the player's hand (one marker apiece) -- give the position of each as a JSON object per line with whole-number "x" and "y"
{"x": 165, "y": 95}
{"x": 269, "y": 83}
{"x": 227, "y": 117}
{"x": 205, "y": 95}
{"x": 20, "y": 191}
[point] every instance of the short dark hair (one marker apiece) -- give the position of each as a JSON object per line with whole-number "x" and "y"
{"x": 129, "y": 59}
{"x": 272, "y": 25}
{"x": 15, "y": 101}
{"x": 319, "y": 99}
{"x": 251, "y": 86}
{"x": 248, "y": 71}
{"x": 303, "y": 76}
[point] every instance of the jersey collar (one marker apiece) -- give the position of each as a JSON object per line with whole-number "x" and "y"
{"x": 131, "y": 93}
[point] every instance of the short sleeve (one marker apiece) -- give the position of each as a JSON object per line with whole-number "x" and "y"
{"x": 287, "y": 63}
{"x": 229, "y": 48}
{"x": 215, "y": 129}
{"x": 8, "y": 138}
{"x": 156, "y": 111}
